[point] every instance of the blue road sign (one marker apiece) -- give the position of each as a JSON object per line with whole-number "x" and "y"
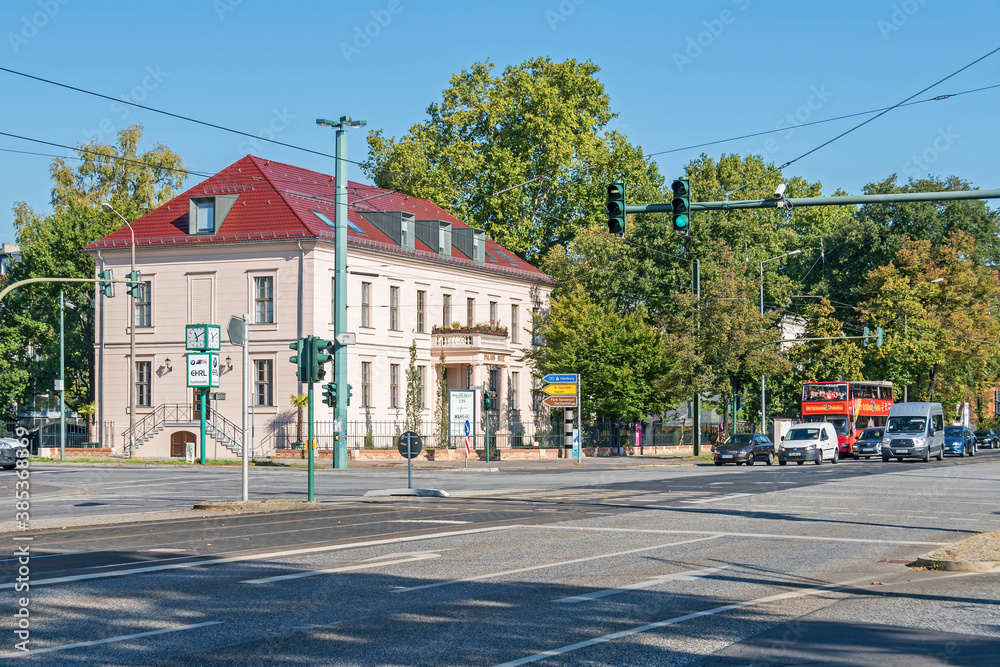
{"x": 565, "y": 377}
{"x": 468, "y": 427}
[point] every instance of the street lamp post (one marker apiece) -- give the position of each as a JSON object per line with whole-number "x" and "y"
{"x": 763, "y": 404}
{"x": 340, "y": 285}
{"x": 131, "y": 343}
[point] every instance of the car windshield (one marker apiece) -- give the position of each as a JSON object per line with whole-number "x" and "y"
{"x": 803, "y": 434}
{"x": 984, "y": 433}
{"x": 954, "y": 431}
{"x": 905, "y": 425}
{"x": 871, "y": 434}
{"x": 739, "y": 439}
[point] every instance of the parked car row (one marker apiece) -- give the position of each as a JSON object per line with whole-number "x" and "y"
{"x": 913, "y": 430}
{"x": 8, "y": 452}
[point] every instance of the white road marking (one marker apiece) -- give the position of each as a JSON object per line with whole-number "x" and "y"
{"x": 678, "y": 619}
{"x": 493, "y": 575}
{"x": 731, "y": 496}
{"x": 265, "y": 556}
{"x": 690, "y": 575}
{"x": 346, "y": 568}
{"x": 820, "y": 538}
{"x": 425, "y": 521}
{"x": 96, "y": 642}
{"x": 722, "y": 483}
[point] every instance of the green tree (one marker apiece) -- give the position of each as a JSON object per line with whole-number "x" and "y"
{"x": 134, "y": 183}
{"x": 441, "y": 410}
{"x": 626, "y": 369}
{"x": 414, "y": 393}
{"x": 525, "y": 154}
{"x": 299, "y": 402}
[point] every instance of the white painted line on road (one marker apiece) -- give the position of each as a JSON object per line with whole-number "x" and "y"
{"x": 722, "y": 483}
{"x": 144, "y": 485}
{"x": 425, "y": 521}
{"x": 66, "y": 647}
{"x": 492, "y": 575}
{"x": 731, "y": 496}
{"x": 690, "y": 575}
{"x": 679, "y": 619}
{"x": 347, "y": 568}
{"x": 264, "y": 556}
{"x": 820, "y": 538}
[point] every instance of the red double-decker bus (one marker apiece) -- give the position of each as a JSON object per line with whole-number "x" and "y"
{"x": 850, "y": 406}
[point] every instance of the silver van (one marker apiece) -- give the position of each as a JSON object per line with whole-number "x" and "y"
{"x": 812, "y": 441}
{"x": 914, "y": 430}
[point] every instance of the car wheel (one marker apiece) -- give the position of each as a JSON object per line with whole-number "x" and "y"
{"x": 770, "y": 459}
{"x": 718, "y": 463}
{"x": 836, "y": 456}
{"x": 856, "y": 457}
{"x": 885, "y": 459}
{"x": 739, "y": 463}
{"x": 781, "y": 463}
{"x": 972, "y": 452}
{"x": 750, "y": 460}
{"x": 962, "y": 454}
{"x": 940, "y": 456}
{"x": 927, "y": 455}
{"x": 868, "y": 458}
{"x": 798, "y": 463}
{"x": 899, "y": 458}
{"x": 819, "y": 457}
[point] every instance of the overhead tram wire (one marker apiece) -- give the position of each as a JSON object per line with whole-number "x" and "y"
{"x": 819, "y": 122}
{"x": 865, "y": 122}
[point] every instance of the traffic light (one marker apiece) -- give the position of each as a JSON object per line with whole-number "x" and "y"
{"x": 616, "y": 208}
{"x": 135, "y": 284}
{"x": 489, "y": 399}
{"x": 878, "y": 336}
{"x": 107, "y": 287}
{"x": 867, "y": 332}
{"x": 321, "y": 354}
{"x": 348, "y": 397}
{"x": 301, "y": 358}
{"x": 330, "y": 394}
{"x": 682, "y": 205}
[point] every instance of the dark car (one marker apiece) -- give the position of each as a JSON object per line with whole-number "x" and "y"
{"x": 959, "y": 440}
{"x": 8, "y": 452}
{"x": 988, "y": 438}
{"x": 748, "y": 448}
{"x": 869, "y": 443}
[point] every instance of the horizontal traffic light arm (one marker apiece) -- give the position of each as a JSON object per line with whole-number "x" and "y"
{"x": 26, "y": 281}
{"x": 819, "y": 201}
{"x": 801, "y": 340}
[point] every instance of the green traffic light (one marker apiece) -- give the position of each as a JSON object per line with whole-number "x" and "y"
{"x": 681, "y": 222}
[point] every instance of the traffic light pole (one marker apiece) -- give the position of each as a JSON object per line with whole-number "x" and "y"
{"x": 310, "y": 442}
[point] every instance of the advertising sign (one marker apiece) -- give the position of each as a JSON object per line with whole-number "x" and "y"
{"x": 203, "y": 370}
{"x": 461, "y": 408}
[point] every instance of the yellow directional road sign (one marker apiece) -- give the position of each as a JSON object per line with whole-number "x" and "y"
{"x": 560, "y": 389}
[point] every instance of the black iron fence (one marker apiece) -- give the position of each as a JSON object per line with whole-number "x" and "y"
{"x": 383, "y": 435}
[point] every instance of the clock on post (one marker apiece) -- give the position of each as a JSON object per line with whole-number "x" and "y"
{"x": 203, "y": 337}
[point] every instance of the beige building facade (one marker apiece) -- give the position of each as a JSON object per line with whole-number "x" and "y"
{"x": 247, "y": 242}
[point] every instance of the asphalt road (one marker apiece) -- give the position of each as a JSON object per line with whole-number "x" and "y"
{"x": 597, "y": 565}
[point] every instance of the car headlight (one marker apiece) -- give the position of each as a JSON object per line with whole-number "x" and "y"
{"x": 886, "y": 442}
{"x": 919, "y": 441}
{"x": 811, "y": 445}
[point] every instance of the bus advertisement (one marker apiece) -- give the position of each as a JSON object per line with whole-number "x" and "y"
{"x": 850, "y": 406}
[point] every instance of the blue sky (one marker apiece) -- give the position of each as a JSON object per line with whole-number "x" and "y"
{"x": 678, "y": 74}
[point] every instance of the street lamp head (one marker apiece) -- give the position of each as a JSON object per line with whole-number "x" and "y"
{"x": 345, "y": 121}
{"x": 794, "y": 252}
{"x": 106, "y": 206}
{"x": 938, "y": 280}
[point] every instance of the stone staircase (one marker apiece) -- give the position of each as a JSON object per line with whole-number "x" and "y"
{"x": 167, "y": 415}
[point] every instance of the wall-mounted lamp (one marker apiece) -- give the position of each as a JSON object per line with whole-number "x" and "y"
{"x": 166, "y": 362}
{"x": 229, "y": 363}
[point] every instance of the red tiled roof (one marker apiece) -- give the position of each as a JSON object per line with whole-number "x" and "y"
{"x": 276, "y": 201}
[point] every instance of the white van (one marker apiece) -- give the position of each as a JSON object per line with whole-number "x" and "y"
{"x": 813, "y": 441}
{"x": 914, "y": 430}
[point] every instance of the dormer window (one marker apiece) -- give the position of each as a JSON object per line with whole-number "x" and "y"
{"x": 205, "y": 220}
{"x": 206, "y": 214}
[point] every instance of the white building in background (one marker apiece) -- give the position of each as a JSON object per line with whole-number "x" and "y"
{"x": 258, "y": 238}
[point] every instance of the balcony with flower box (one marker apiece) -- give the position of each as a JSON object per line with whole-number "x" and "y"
{"x": 474, "y": 345}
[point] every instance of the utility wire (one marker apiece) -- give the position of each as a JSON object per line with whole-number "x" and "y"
{"x": 865, "y": 122}
{"x": 819, "y": 122}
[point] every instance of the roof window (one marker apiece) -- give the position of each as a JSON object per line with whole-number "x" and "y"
{"x": 331, "y": 225}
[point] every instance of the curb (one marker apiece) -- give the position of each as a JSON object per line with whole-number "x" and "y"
{"x": 957, "y": 565}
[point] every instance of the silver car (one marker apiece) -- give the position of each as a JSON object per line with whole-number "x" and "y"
{"x": 8, "y": 452}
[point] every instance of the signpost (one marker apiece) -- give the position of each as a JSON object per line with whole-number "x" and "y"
{"x": 203, "y": 373}
{"x": 563, "y": 391}
{"x": 409, "y": 445}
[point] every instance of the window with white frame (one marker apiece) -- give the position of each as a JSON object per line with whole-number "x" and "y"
{"x": 494, "y": 313}
{"x": 470, "y": 312}
{"x": 513, "y": 323}
{"x": 144, "y": 384}
{"x": 446, "y": 311}
{"x": 421, "y": 310}
{"x": 421, "y": 380}
{"x": 263, "y": 379}
{"x": 206, "y": 217}
{"x": 515, "y": 383}
{"x": 263, "y": 297}
{"x": 393, "y": 385}
{"x": 144, "y": 305}
{"x": 394, "y": 308}
{"x": 366, "y": 304}
{"x": 366, "y": 384}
